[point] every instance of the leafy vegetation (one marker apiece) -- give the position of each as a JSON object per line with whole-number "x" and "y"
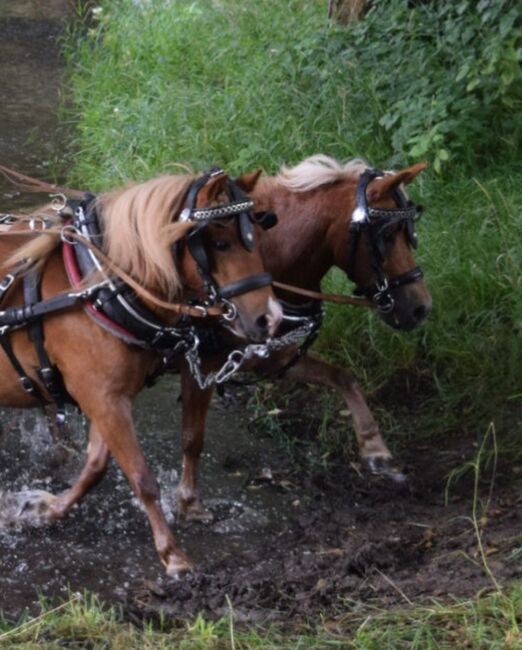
{"x": 248, "y": 84}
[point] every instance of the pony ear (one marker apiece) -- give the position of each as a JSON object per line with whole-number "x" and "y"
{"x": 382, "y": 187}
{"x": 247, "y": 182}
{"x": 213, "y": 188}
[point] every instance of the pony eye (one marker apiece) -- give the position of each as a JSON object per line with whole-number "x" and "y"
{"x": 222, "y": 245}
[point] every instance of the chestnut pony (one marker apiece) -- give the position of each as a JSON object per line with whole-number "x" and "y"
{"x": 323, "y": 208}
{"x": 101, "y": 372}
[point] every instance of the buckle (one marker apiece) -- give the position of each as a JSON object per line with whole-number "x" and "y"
{"x": 7, "y": 282}
{"x": 27, "y": 384}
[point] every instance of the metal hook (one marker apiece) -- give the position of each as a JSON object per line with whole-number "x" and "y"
{"x": 59, "y": 202}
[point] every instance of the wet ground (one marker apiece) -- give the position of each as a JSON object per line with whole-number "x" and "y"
{"x": 31, "y": 70}
{"x": 292, "y": 538}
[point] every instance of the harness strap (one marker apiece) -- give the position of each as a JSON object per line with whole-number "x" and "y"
{"x": 327, "y": 297}
{"x": 245, "y": 285}
{"x": 14, "y": 317}
{"x": 49, "y": 374}
{"x": 26, "y": 382}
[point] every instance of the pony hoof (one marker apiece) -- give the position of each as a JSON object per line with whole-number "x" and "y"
{"x": 194, "y": 511}
{"x": 27, "y": 508}
{"x": 386, "y": 467}
{"x": 178, "y": 565}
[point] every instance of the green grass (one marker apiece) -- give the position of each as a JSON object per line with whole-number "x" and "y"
{"x": 487, "y": 623}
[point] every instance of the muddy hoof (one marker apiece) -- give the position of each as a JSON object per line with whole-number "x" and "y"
{"x": 178, "y": 565}
{"x": 194, "y": 511}
{"x": 386, "y": 467}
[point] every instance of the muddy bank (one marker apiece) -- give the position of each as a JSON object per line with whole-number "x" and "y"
{"x": 350, "y": 541}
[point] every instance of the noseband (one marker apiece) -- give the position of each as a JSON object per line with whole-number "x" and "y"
{"x": 378, "y": 224}
{"x": 240, "y": 206}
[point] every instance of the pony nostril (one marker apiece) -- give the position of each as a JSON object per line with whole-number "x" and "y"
{"x": 420, "y": 313}
{"x": 262, "y": 322}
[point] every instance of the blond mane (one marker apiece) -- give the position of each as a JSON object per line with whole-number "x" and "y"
{"x": 317, "y": 171}
{"x": 138, "y": 232}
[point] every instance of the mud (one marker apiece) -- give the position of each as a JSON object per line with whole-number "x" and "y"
{"x": 351, "y": 540}
{"x": 292, "y": 539}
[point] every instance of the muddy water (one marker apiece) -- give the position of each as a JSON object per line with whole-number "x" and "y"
{"x": 105, "y": 545}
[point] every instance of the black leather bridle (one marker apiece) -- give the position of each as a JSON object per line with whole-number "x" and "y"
{"x": 378, "y": 225}
{"x": 240, "y": 207}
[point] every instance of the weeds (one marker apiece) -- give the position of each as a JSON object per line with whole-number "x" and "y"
{"x": 488, "y": 622}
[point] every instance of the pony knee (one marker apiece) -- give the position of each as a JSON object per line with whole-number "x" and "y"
{"x": 146, "y": 487}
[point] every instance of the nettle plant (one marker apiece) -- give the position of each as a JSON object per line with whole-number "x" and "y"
{"x": 442, "y": 78}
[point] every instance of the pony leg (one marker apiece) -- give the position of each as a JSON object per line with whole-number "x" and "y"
{"x": 114, "y": 422}
{"x": 372, "y": 448}
{"x": 93, "y": 471}
{"x": 195, "y": 409}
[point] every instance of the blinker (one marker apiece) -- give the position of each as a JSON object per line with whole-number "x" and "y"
{"x": 246, "y": 231}
{"x": 266, "y": 220}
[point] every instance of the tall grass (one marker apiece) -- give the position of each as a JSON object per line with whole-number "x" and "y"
{"x": 257, "y": 84}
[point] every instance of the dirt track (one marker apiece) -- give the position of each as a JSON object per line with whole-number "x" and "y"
{"x": 350, "y": 539}
{"x": 291, "y": 539}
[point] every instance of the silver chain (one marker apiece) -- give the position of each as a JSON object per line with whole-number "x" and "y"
{"x": 237, "y": 358}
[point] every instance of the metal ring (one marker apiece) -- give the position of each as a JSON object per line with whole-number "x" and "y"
{"x": 69, "y": 240}
{"x": 59, "y": 202}
{"x": 230, "y": 313}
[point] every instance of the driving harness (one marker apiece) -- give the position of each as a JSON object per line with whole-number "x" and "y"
{"x": 111, "y": 302}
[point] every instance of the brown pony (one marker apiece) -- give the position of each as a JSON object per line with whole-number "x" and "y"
{"x": 315, "y": 203}
{"x": 102, "y": 373}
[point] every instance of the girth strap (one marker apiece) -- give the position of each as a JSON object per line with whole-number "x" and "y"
{"x": 26, "y": 382}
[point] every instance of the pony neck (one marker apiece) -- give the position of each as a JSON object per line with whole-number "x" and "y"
{"x": 300, "y": 250}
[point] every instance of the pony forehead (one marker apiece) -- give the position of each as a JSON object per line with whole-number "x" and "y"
{"x": 319, "y": 170}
